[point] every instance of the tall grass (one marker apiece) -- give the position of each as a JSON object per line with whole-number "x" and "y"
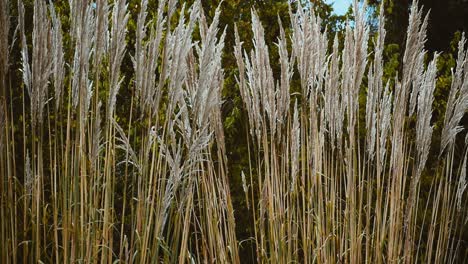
{"x": 335, "y": 186}
{"x": 87, "y": 179}
{"x": 93, "y": 191}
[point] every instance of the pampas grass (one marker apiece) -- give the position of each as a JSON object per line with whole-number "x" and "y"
{"x": 343, "y": 199}
{"x": 87, "y": 179}
{"x": 92, "y": 193}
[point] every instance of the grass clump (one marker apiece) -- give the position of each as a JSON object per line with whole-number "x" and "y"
{"x": 87, "y": 179}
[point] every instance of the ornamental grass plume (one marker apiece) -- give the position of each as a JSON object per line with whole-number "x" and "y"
{"x": 26, "y": 68}
{"x": 58, "y": 68}
{"x": 4, "y": 45}
{"x": 146, "y": 57}
{"x": 41, "y": 61}
{"x": 117, "y": 46}
{"x": 457, "y": 102}
{"x": 36, "y": 75}
{"x": 101, "y": 33}
{"x": 82, "y": 85}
